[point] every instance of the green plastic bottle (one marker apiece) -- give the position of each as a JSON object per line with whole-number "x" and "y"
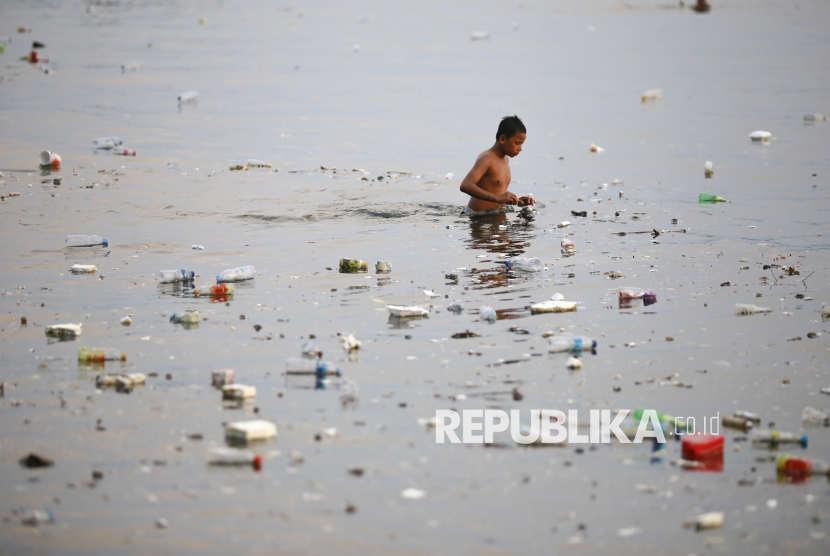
{"x": 708, "y": 198}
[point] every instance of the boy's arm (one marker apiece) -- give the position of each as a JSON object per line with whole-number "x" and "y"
{"x": 469, "y": 184}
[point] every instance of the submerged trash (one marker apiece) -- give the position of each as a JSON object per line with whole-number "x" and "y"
{"x": 749, "y": 309}
{"x": 709, "y": 198}
{"x": 485, "y": 312}
{"x": 614, "y": 274}
{"x": 303, "y": 366}
{"x": 83, "y": 269}
{"x": 708, "y": 169}
{"x": 106, "y": 143}
{"x": 456, "y": 307}
{"x": 403, "y": 311}
{"x": 64, "y": 331}
{"x": 189, "y": 96}
{"x": 237, "y": 274}
{"x": 250, "y": 431}
{"x": 754, "y": 417}
{"x": 570, "y": 343}
{"x": 793, "y": 465}
{"x": 814, "y": 117}
{"x": 760, "y": 135}
{"x": 583, "y": 213}
{"x": 564, "y": 224}
{"x": 135, "y": 65}
{"x": 221, "y": 455}
{"x": 48, "y": 159}
{"x": 652, "y": 94}
{"x": 85, "y": 241}
{"x": 180, "y": 275}
{"x": 596, "y": 148}
{"x": 353, "y": 265}
{"x": 383, "y": 267}
{"x": 221, "y": 377}
{"x": 524, "y": 264}
{"x": 86, "y": 354}
{"x": 239, "y": 167}
{"x": 466, "y": 334}
{"x": 187, "y": 317}
{"x": 737, "y": 422}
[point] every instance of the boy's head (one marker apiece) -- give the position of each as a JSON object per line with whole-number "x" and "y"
{"x": 510, "y": 126}
{"x": 511, "y": 135}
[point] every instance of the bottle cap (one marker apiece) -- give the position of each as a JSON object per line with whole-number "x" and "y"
{"x": 124, "y": 358}
{"x": 594, "y": 342}
{"x": 106, "y": 242}
{"x": 218, "y": 277}
{"x": 192, "y": 274}
{"x": 257, "y": 463}
{"x": 337, "y": 372}
{"x": 804, "y": 441}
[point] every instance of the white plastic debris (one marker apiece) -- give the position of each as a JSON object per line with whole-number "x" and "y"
{"x": 596, "y": 148}
{"x": 711, "y": 520}
{"x": 64, "y": 331}
{"x": 430, "y": 293}
{"x": 449, "y": 176}
{"x": 574, "y": 363}
{"x": 221, "y": 377}
{"x": 197, "y": 247}
{"x": 84, "y": 269}
{"x": 564, "y": 224}
{"x": 557, "y": 297}
{"x": 760, "y": 135}
{"x": 413, "y": 493}
{"x": 238, "y": 392}
{"x": 126, "y": 321}
{"x": 480, "y": 36}
{"x": 552, "y": 306}
{"x": 652, "y": 94}
{"x": 350, "y": 343}
{"x": 404, "y": 311}
{"x": 250, "y": 431}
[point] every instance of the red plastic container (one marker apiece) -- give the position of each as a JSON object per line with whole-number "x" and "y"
{"x": 699, "y": 446}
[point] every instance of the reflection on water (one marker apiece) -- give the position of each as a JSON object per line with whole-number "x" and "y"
{"x": 496, "y": 234}
{"x": 397, "y": 322}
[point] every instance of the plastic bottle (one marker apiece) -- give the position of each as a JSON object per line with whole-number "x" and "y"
{"x": 124, "y": 152}
{"x": 188, "y": 96}
{"x": 635, "y": 293}
{"x": 49, "y": 159}
{"x": 257, "y": 163}
{"x": 188, "y": 317}
{"x": 570, "y": 343}
{"x": 456, "y": 307}
{"x": 216, "y": 290}
{"x": 525, "y": 264}
{"x": 353, "y": 265}
{"x": 793, "y": 465}
{"x": 180, "y": 275}
{"x": 300, "y": 366}
{"x": 106, "y": 143}
{"x": 567, "y": 246}
{"x": 812, "y": 417}
{"x": 234, "y": 456}
{"x": 487, "y": 313}
{"x": 814, "y": 117}
{"x": 774, "y": 438}
{"x": 749, "y": 309}
{"x": 37, "y": 517}
{"x": 697, "y": 446}
{"x": 709, "y": 198}
{"x": 653, "y": 94}
{"x": 237, "y": 274}
{"x": 100, "y": 354}
{"x": 86, "y": 241}
{"x": 748, "y": 415}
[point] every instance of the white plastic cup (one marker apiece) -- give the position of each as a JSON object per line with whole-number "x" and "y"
{"x": 49, "y": 159}
{"x": 383, "y": 266}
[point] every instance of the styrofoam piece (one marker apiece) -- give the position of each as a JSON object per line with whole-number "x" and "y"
{"x": 64, "y": 331}
{"x": 553, "y": 307}
{"x": 84, "y": 269}
{"x": 404, "y": 311}
{"x": 238, "y": 392}
{"x": 250, "y": 431}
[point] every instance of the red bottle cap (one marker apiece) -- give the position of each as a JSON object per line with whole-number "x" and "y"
{"x": 257, "y": 463}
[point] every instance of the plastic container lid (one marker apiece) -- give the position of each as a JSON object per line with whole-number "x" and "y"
{"x": 106, "y": 242}
{"x": 696, "y": 446}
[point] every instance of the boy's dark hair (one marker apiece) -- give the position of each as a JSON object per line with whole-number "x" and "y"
{"x": 510, "y": 126}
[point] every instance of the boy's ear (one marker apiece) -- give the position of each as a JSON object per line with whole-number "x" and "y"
{"x": 502, "y": 138}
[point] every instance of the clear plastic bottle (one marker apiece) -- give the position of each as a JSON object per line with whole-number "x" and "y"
{"x": 179, "y": 275}
{"x": 774, "y": 438}
{"x": 456, "y": 307}
{"x": 124, "y": 152}
{"x": 749, "y": 309}
{"x": 100, "y": 354}
{"x": 525, "y": 264}
{"x": 234, "y": 456}
{"x": 86, "y": 241}
{"x": 567, "y": 246}
{"x": 487, "y": 313}
{"x": 188, "y": 317}
{"x": 793, "y": 465}
{"x": 106, "y": 143}
{"x": 300, "y": 366}
{"x": 353, "y": 265}
{"x": 812, "y": 417}
{"x": 237, "y": 274}
{"x": 570, "y": 343}
{"x": 215, "y": 290}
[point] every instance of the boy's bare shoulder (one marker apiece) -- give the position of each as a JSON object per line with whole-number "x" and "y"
{"x": 488, "y": 157}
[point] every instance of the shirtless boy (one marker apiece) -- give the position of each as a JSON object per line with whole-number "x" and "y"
{"x": 487, "y": 182}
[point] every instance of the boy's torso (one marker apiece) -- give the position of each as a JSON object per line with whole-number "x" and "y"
{"x": 495, "y": 181}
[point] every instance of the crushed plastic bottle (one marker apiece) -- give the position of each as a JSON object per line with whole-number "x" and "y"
{"x": 221, "y": 455}
{"x": 86, "y": 241}
{"x": 456, "y": 307}
{"x": 86, "y": 354}
{"x": 106, "y": 143}
{"x": 812, "y": 417}
{"x": 383, "y": 267}
{"x": 570, "y": 343}
{"x": 179, "y": 275}
{"x": 524, "y": 264}
{"x": 709, "y": 198}
{"x": 353, "y": 265}
{"x": 485, "y": 312}
{"x": 301, "y": 366}
{"x": 187, "y": 317}
{"x": 749, "y": 309}
{"x": 793, "y": 465}
{"x": 237, "y": 274}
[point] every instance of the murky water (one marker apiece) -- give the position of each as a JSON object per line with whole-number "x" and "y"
{"x": 417, "y": 100}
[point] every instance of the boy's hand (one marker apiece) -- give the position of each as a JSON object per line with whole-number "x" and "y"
{"x": 506, "y": 198}
{"x": 525, "y": 201}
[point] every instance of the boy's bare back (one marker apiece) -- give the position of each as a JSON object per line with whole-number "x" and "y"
{"x": 487, "y": 182}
